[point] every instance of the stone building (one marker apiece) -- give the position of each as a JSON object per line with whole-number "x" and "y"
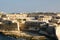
{"x": 7, "y": 25}
{"x": 33, "y": 25}
{"x": 44, "y": 18}
{"x": 16, "y": 16}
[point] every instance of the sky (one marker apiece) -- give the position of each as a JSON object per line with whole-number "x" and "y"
{"x": 29, "y": 6}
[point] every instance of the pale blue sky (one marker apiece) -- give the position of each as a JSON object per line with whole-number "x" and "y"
{"x": 30, "y": 5}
